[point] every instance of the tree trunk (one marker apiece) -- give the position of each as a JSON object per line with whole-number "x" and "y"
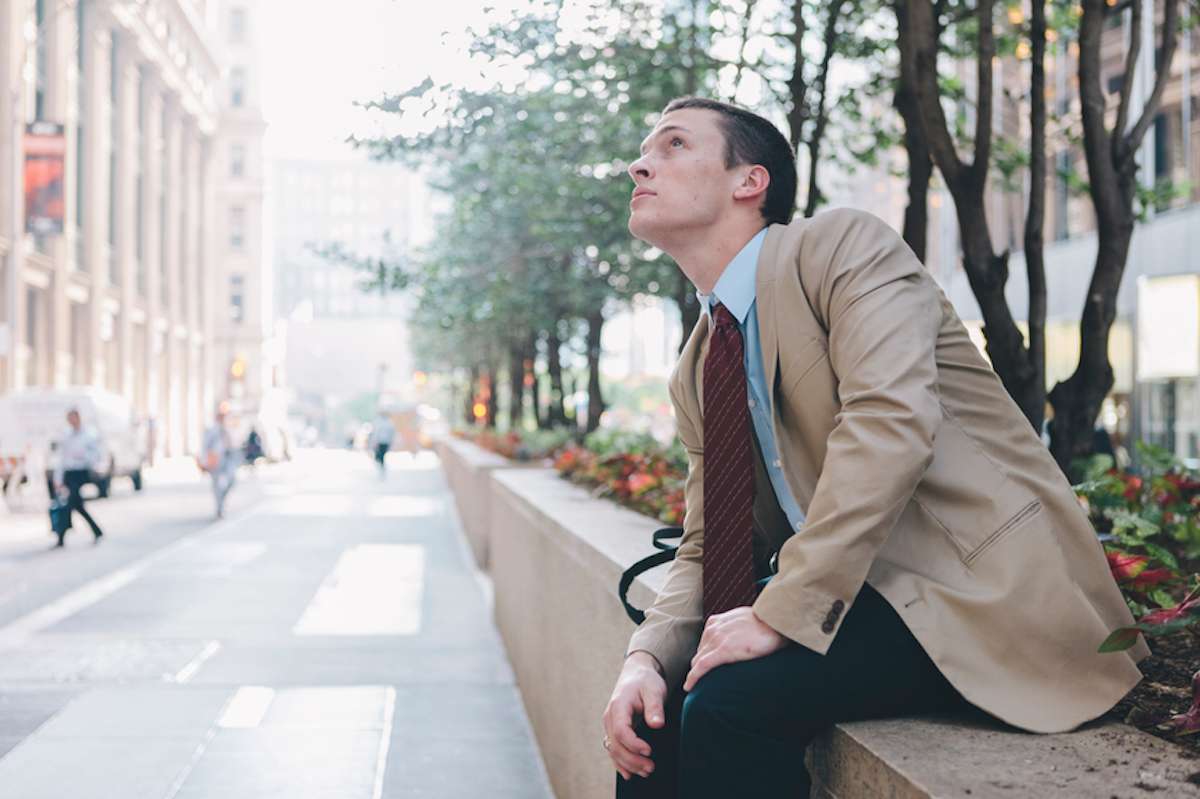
{"x": 535, "y": 387}
{"x": 814, "y": 142}
{"x": 689, "y": 307}
{"x": 1034, "y": 222}
{"x": 920, "y": 166}
{"x": 490, "y": 399}
{"x": 472, "y": 392}
{"x": 516, "y": 387}
{"x": 986, "y": 271}
{"x": 1112, "y": 182}
{"x": 595, "y": 323}
{"x": 556, "y": 413}
{"x": 797, "y": 86}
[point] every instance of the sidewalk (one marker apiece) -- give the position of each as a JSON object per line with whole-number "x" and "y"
{"x": 331, "y": 641}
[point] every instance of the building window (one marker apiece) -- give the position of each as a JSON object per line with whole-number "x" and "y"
{"x": 237, "y": 299}
{"x": 237, "y": 24}
{"x": 237, "y": 87}
{"x": 237, "y": 227}
{"x": 237, "y": 160}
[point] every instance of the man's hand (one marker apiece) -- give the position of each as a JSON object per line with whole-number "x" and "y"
{"x": 640, "y": 690}
{"x": 731, "y": 637}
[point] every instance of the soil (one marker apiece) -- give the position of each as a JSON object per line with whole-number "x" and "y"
{"x": 1166, "y": 689}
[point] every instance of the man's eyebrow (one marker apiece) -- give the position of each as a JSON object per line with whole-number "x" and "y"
{"x": 661, "y": 131}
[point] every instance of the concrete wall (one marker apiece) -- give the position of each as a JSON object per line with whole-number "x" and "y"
{"x": 468, "y": 470}
{"x": 556, "y": 557}
{"x": 556, "y": 554}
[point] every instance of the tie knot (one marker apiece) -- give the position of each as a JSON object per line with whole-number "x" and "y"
{"x": 722, "y": 317}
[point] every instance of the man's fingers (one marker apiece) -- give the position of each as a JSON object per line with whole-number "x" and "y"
{"x": 627, "y": 738}
{"x": 703, "y": 665}
{"x": 629, "y": 761}
{"x": 652, "y": 708}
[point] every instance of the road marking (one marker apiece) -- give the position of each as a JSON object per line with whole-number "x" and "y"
{"x": 385, "y": 740}
{"x": 375, "y": 589}
{"x": 247, "y": 708}
{"x": 187, "y": 672}
{"x": 20, "y": 629}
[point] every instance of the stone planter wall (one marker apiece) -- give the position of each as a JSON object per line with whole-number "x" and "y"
{"x": 555, "y": 554}
{"x": 468, "y": 470}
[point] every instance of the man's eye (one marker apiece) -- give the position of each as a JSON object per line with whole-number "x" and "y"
{"x": 676, "y": 142}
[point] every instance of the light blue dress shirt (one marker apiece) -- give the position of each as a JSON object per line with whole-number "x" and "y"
{"x": 736, "y": 291}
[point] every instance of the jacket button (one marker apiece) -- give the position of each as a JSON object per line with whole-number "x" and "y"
{"x": 838, "y": 607}
{"x": 827, "y": 627}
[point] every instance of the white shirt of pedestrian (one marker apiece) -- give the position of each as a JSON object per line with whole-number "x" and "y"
{"x": 77, "y": 450}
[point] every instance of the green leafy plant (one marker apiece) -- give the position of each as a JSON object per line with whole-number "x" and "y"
{"x": 1149, "y": 522}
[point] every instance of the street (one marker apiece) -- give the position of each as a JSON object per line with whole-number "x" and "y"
{"x": 327, "y": 639}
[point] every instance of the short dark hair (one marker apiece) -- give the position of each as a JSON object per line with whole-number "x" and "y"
{"x": 751, "y": 139}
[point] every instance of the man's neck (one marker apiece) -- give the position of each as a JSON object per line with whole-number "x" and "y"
{"x": 703, "y": 258}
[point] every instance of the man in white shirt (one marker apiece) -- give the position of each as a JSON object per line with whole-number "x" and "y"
{"x": 78, "y": 453}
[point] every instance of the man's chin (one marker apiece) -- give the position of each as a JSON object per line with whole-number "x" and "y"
{"x": 642, "y": 229}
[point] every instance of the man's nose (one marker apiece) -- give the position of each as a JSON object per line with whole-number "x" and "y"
{"x": 640, "y": 169}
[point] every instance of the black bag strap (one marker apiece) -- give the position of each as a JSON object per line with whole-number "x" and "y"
{"x": 665, "y": 554}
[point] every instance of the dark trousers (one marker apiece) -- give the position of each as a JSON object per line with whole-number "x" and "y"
{"x": 74, "y": 480}
{"x": 743, "y": 728}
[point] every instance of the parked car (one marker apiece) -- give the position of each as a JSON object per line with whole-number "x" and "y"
{"x": 33, "y": 419}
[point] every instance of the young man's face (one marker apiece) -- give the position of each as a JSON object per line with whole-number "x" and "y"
{"x": 681, "y": 181}
{"x": 73, "y": 420}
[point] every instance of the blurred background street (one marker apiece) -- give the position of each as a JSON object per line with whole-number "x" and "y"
{"x": 328, "y": 638}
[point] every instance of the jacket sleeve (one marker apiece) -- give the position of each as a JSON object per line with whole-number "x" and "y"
{"x": 883, "y": 313}
{"x": 671, "y": 630}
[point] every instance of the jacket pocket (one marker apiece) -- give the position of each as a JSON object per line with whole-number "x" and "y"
{"x": 969, "y": 495}
{"x": 1018, "y": 520}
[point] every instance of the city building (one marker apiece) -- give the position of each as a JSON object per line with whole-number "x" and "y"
{"x": 110, "y": 124}
{"x": 343, "y": 343}
{"x": 241, "y": 313}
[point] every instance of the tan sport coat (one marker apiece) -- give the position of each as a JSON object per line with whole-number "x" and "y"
{"x": 918, "y": 474}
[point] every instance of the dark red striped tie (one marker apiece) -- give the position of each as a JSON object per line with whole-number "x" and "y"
{"x": 728, "y": 565}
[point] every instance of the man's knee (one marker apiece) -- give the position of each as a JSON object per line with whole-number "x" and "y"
{"x": 724, "y": 698}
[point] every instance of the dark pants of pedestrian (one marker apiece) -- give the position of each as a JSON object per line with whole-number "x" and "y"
{"x": 381, "y": 451}
{"x": 74, "y": 480}
{"x": 743, "y": 728}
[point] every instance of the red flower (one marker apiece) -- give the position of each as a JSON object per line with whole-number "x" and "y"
{"x": 1125, "y": 566}
{"x": 1152, "y": 577}
{"x": 1133, "y": 485}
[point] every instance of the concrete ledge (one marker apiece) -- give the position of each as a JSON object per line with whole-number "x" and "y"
{"x": 556, "y": 557}
{"x": 467, "y": 469}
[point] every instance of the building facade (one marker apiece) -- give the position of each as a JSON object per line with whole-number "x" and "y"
{"x": 241, "y": 320}
{"x": 343, "y": 343}
{"x": 114, "y": 288}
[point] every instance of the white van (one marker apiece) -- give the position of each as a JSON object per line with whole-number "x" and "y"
{"x": 33, "y": 419}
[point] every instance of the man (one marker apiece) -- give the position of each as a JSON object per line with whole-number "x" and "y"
{"x": 219, "y": 458}
{"x": 383, "y": 433}
{"x": 843, "y": 432}
{"x": 78, "y": 453}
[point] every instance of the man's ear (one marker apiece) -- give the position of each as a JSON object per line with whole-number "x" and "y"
{"x": 754, "y": 184}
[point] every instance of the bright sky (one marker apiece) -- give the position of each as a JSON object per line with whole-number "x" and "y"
{"x": 321, "y": 56}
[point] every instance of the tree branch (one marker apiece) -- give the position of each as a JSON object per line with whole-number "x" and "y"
{"x": 923, "y": 45}
{"x": 1131, "y": 58}
{"x": 798, "y": 112}
{"x": 983, "y": 103}
{"x": 1170, "y": 40}
{"x": 741, "y": 62}
{"x": 814, "y": 144}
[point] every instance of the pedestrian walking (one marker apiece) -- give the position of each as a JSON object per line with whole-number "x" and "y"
{"x": 380, "y": 440}
{"x": 219, "y": 458}
{"x": 78, "y": 453}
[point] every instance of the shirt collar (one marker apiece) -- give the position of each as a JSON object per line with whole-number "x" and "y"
{"x": 735, "y": 288}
